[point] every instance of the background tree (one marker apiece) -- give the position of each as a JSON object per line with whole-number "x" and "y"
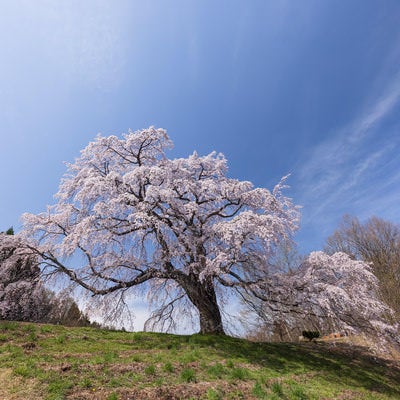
{"x": 329, "y": 294}
{"x": 64, "y": 310}
{"x": 179, "y": 228}
{"x": 273, "y": 326}
{"x": 378, "y": 242}
{"x": 23, "y": 296}
{"x": 21, "y": 292}
{"x": 9, "y": 231}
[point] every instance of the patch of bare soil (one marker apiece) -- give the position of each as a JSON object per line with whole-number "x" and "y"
{"x": 356, "y": 351}
{"x": 391, "y": 360}
{"x": 363, "y": 346}
{"x": 13, "y": 388}
{"x": 241, "y": 390}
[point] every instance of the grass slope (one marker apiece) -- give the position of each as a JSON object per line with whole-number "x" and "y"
{"x": 56, "y": 362}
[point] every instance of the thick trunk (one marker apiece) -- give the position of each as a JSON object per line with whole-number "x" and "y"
{"x": 210, "y": 317}
{"x": 202, "y": 295}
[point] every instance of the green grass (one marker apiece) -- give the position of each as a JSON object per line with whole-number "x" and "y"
{"x": 54, "y": 362}
{"x": 168, "y": 367}
{"x": 150, "y": 370}
{"x": 188, "y": 375}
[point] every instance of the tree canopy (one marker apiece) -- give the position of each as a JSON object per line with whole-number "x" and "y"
{"x": 180, "y": 225}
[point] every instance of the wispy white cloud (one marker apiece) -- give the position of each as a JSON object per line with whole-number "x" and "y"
{"x": 355, "y": 170}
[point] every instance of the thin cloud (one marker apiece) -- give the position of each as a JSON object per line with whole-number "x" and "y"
{"x": 349, "y": 172}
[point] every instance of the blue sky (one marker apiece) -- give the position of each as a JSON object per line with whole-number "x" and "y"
{"x": 310, "y": 88}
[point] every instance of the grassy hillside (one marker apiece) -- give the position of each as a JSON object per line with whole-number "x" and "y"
{"x": 55, "y": 362}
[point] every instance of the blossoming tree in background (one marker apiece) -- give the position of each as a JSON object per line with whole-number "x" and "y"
{"x": 329, "y": 293}
{"x": 21, "y": 292}
{"x": 376, "y": 241}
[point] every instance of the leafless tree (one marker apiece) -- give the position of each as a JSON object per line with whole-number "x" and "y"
{"x": 376, "y": 241}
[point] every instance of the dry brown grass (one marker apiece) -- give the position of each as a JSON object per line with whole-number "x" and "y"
{"x": 15, "y": 388}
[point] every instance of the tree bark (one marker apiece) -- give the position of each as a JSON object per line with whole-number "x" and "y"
{"x": 203, "y": 297}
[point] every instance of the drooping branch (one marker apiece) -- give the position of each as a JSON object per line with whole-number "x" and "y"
{"x": 332, "y": 291}
{"x": 163, "y": 318}
{"x": 142, "y": 277}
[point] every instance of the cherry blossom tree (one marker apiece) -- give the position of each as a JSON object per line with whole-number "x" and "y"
{"x": 179, "y": 228}
{"x": 331, "y": 293}
{"x": 21, "y": 292}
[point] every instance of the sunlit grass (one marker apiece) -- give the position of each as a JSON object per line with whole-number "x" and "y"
{"x": 55, "y": 362}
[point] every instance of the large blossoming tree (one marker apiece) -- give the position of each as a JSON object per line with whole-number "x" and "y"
{"x": 181, "y": 228}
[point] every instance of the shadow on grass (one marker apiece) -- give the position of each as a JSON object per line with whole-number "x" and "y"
{"x": 353, "y": 367}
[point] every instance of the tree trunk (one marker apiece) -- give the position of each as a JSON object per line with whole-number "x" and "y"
{"x": 202, "y": 295}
